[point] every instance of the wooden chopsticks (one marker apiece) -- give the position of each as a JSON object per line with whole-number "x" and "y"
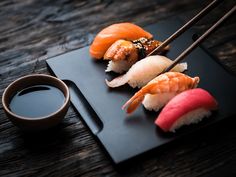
{"x": 199, "y": 40}
{"x": 189, "y": 24}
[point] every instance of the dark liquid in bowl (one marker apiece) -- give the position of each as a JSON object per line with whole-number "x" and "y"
{"x": 37, "y": 101}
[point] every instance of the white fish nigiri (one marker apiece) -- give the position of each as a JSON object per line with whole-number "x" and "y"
{"x": 144, "y": 71}
{"x": 188, "y": 107}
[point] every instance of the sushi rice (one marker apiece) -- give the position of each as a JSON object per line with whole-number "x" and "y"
{"x": 191, "y": 117}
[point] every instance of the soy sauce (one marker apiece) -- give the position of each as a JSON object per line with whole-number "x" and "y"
{"x": 37, "y": 101}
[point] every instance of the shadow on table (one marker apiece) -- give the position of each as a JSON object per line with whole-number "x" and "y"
{"x": 35, "y": 141}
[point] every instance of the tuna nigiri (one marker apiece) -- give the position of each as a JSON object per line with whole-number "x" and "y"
{"x": 160, "y": 90}
{"x": 188, "y": 107}
{"x": 112, "y": 33}
{"x": 123, "y": 54}
{"x": 144, "y": 71}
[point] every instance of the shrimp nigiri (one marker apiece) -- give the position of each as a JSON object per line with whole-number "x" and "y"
{"x": 144, "y": 71}
{"x": 160, "y": 90}
{"x": 112, "y": 33}
{"x": 123, "y": 54}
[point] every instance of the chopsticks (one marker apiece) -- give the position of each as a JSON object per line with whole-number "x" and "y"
{"x": 189, "y": 24}
{"x": 199, "y": 40}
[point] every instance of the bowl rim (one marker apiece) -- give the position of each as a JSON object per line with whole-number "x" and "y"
{"x": 21, "y": 79}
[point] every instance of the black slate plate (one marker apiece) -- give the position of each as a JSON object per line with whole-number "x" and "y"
{"x": 124, "y": 136}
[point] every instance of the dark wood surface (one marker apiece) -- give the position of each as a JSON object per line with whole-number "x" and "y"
{"x": 32, "y": 31}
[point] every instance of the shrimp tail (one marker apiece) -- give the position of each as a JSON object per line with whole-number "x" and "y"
{"x": 133, "y": 102}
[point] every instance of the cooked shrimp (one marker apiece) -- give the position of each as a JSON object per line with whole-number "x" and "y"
{"x": 170, "y": 82}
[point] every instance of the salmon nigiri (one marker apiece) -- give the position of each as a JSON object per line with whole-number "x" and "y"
{"x": 112, "y": 33}
{"x": 160, "y": 90}
{"x": 186, "y": 108}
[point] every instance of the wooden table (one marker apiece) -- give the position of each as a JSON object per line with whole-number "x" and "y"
{"x": 32, "y": 31}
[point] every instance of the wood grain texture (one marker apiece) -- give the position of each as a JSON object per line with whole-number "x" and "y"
{"x": 32, "y": 31}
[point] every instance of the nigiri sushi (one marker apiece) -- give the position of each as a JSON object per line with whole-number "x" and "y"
{"x": 144, "y": 71}
{"x": 188, "y": 107}
{"x": 112, "y": 33}
{"x": 160, "y": 90}
{"x": 123, "y": 54}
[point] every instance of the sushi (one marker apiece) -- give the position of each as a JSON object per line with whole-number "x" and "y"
{"x": 144, "y": 71}
{"x": 160, "y": 90}
{"x": 122, "y": 54}
{"x": 112, "y": 33}
{"x": 186, "y": 108}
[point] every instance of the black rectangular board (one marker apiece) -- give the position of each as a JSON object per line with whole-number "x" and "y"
{"x": 126, "y": 136}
